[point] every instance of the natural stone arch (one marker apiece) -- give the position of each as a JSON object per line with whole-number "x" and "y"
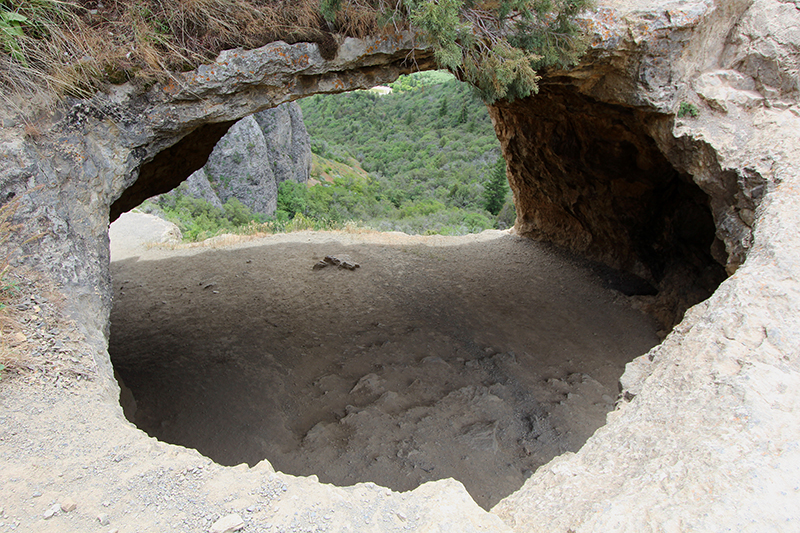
{"x": 715, "y": 402}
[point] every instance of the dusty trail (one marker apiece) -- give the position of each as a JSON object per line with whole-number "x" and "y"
{"x": 477, "y": 357}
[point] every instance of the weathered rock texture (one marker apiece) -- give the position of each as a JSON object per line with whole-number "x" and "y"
{"x": 253, "y": 158}
{"x": 288, "y": 141}
{"x": 239, "y": 168}
{"x": 198, "y": 186}
{"x": 706, "y": 438}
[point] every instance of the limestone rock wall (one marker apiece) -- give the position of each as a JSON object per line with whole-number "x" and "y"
{"x": 288, "y": 141}
{"x": 239, "y": 167}
{"x": 250, "y": 161}
{"x": 702, "y": 437}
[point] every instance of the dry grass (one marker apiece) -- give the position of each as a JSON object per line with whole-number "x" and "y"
{"x": 74, "y": 47}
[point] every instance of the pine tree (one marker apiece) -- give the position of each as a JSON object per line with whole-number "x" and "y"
{"x": 497, "y": 46}
{"x": 496, "y": 188}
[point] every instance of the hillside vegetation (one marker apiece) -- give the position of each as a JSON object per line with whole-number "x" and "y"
{"x": 429, "y": 148}
{"x": 421, "y": 160}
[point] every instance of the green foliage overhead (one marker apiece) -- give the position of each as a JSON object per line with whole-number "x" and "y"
{"x": 10, "y": 33}
{"x": 498, "y": 46}
{"x": 328, "y": 8}
{"x": 76, "y": 47}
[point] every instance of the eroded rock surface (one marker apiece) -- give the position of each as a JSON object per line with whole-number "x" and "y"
{"x": 704, "y": 437}
{"x": 253, "y": 158}
{"x": 707, "y": 437}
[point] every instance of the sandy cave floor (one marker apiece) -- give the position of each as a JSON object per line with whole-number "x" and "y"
{"x": 478, "y": 358}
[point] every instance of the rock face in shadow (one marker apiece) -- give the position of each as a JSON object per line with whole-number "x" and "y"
{"x": 705, "y": 438}
{"x": 588, "y": 176}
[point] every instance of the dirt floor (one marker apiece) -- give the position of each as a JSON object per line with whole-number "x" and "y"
{"x": 478, "y": 358}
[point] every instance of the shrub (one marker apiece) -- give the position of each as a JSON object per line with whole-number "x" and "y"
{"x": 292, "y": 198}
{"x": 688, "y": 109}
{"x": 507, "y": 216}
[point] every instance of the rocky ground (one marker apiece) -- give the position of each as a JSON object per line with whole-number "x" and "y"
{"x": 478, "y": 358}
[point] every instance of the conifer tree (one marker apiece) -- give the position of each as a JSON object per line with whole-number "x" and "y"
{"x": 464, "y": 115}
{"x": 496, "y": 188}
{"x": 498, "y": 46}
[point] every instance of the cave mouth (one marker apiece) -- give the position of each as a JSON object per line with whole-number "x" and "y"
{"x": 478, "y": 358}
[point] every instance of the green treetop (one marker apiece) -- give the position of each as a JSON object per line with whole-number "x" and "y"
{"x": 498, "y": 45}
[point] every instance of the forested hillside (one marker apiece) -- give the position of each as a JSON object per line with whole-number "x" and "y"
{"x": 422, "y": 159}
{"x": 428, "y": 148}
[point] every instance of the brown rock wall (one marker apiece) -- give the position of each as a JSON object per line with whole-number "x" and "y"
{"x": 588, "y": 176}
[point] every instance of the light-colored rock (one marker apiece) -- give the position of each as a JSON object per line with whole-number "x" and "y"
{"x": 724, "y": 88}
{"x": 239, "y": 167}
{"x": 134, "y": 231}
{"x": 227, "y": 524}
{"x": 287, "y": 141}
{"x": 68, "y": 505}
{"x": 51, "y": 511}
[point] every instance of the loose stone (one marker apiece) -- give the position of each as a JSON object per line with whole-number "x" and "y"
{"x": 51, "y": 512}
{"x": 68, "y": 505}
{"x": 227, "y": 524}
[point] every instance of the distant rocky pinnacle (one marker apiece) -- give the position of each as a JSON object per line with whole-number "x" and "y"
{"x": 257, "y": 154}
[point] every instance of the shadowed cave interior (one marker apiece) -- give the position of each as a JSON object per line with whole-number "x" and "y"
{"x": 478, "y": 358}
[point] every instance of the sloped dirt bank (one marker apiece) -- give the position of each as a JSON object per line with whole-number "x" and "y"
{"x": 478, "y": 358}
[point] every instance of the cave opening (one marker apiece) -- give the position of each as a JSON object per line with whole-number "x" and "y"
{"x": 479, "y": 357}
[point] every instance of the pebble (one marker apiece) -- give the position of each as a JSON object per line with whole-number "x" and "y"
{"x": 68, "y": 505}
{"x": 103, "y": 519}
{"x": 227, "y": 524}
{"x": 52, "y": 511}
{"x": 36, "y": 494}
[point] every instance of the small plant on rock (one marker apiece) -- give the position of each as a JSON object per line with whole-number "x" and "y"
{"x": 688, "y": 109}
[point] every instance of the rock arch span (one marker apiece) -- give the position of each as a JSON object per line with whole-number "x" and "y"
{"x": 706, "y": 438}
